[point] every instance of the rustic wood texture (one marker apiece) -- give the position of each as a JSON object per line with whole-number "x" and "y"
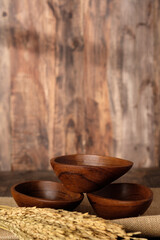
{"x": 32, "y": 95}
{"x": 5, "y": 135}
{"x": 79, "y": 77}
{"x": 132, "y": 78}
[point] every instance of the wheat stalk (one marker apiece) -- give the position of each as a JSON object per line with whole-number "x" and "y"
{"x": 48, "y": 224}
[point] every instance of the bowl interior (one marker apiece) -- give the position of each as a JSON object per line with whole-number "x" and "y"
{"x": 92, "y": 160}
{"x": 46, "y": 190}
{"x": 124, "y": 192}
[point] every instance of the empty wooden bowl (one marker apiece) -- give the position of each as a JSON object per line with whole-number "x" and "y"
{"x": 87, "y": 173}
{"x": 121, "y": 200}
{"x": 45, "y": 194}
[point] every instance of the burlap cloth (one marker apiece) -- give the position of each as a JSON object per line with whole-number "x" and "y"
{"x": 148, "y": 224}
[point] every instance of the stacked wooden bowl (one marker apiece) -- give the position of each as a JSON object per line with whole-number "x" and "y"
{"x": 90, "y": 174}
{"x": 93, "y": 174}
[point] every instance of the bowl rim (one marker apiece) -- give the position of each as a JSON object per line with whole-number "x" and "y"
{"x": 122, "y": 202}
{"x": 128, "y": 162}
{"x": 13, "y": 190}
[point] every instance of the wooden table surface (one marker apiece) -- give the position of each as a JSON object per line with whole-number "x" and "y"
{"x": 149, "y": 177}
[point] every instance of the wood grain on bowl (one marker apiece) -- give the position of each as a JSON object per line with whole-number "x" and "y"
{"x": 121, "y": 200}
{"x": 87, "y": 173}
{"x": 45, "y": 194}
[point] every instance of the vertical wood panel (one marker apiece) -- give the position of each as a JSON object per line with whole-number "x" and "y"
{"x": 81, "y": 92}
{"x": 97, "y": 113}
{"x": 5, "y": 146}
{"x": 47, "y": 68}
{"x": 74, "y": 89}
{"x": 59, "y": 128}
{"x": 156, "y": 85}
{"x": 31, "y": 71}
{"x": 131, "y": 78}
{"x": 69, "y": 122}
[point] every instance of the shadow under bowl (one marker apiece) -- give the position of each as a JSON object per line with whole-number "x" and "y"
{"x": 87, "y": 173}
{"x": 121, "y": 200}
{"x": 45, "y": 194}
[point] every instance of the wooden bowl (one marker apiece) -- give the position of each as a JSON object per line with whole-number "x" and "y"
{"x": 121, "y": 200}
{"x": 45, "y": 194}
{"x": 87, "y": 173}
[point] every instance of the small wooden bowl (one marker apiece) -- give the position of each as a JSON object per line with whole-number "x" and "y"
{"x": 87, "y": 173}
{"x": 121, "y": 200}
{"x": 45, "y": 194}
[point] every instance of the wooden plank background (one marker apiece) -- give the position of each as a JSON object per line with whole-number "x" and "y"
{"x": 79, "y": 76}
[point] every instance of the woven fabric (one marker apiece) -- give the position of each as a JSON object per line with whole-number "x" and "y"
{"x": 148, "y": 224}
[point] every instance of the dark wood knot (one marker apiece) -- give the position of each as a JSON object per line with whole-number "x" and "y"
{"x": 76, "y": 43}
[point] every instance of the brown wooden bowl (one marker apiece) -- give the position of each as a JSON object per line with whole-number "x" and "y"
{"x": 45, "y": 194}
{"x": 87, "y": 173}
{"x": 121, "y": 200}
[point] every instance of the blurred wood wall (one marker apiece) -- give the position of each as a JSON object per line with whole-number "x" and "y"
{"x": 79, "y": 76}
